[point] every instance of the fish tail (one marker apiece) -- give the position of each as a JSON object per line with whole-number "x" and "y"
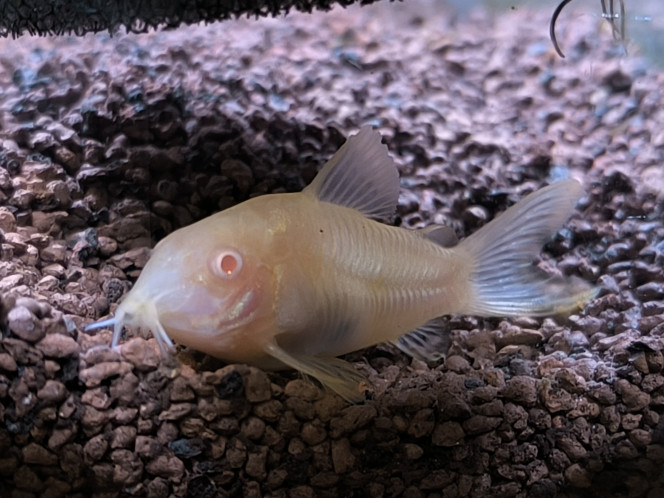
{"x": 504, "y": 281}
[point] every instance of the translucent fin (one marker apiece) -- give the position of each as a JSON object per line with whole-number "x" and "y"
{"x": 335, "y": 374}
{"x": 428, "y": 343}
{"x": 440, "y": 234}
{"x": 361, "y": 175}
{"x": 504, "y": 280}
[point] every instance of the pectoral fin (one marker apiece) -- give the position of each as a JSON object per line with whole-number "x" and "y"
{"x": 333, "y": 373}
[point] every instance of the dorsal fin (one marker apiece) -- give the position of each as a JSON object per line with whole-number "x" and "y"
{"x": 361, "y": 175}
{"x": 442, "y": 235}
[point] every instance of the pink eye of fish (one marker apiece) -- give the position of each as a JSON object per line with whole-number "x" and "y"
{"x": 228, "y": 264}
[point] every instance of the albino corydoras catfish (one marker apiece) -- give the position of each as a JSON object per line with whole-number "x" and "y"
{"x": 294, "y": 280}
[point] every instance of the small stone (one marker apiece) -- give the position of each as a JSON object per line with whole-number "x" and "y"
{"x": 521, "y": 389}
{"x": 38, "y": 455}
{"x": 7, "y": 363}
{"x": 134, "y": 258}
{"x": 448, "y": 434}
{"x": 68, "y": 408}
{"x": 269, "y": 410}
{"x": 475, "y": 216}
{"x": 343, "y": 459}
{"x": 17, "y": 241}
{"x": 652, "y": 382}
{"x": 123, "y": 437}
{"x": 166, "y": 466}
{"x": 302, "y": 492}
{"x": 56, "y": 252}
{"x": 650, "y": 291}
{"x": 413, "y": 451}
{"x": 572, "y": 447}
{"x": 93, "y": 420}
{"x": 48, "y": 283}
{"x": 177, "y": 411}
{"x": 146, "y": 447}
{"x": 253, "y": 428}
{"x": 570, "y": 381}
{"x": 458, "y": 364}
{"x": 328, "y": 406}
{"x": 25, "y": 324}
{"x": 229, "y": 382}
{"x": 60, "y": 437}
{"x": 517, "y": 336}
{"x": 181, "y": 391}
{"x": 630, "y": 421}
{"x": 28, "y": 480}
{"x": 95, "y": 375}
{"x": 556, "y": 399}
{"x": 655, "y": 361}
{"x": 626, "y": 450}
{"x": 256, "y": 463}
{"x": 100, "y": 354}
{"x": 40, "y": 309}
{"x": 640, "y": 437}
{"x": 602, "y": 393}
{"x": 635, "y": 399}
{"x": 58, "y": 346}
{"x": 302, "y": 389}
{"x": 313, "y": 432}
{"x": 188, "y": 448}
{"x": 478, "y": 424}
{"x": 610, "y": 418}
{"x": 577, "y": 476}
{"x": 7, "y": 220}
{"x": 324, "y": 480}
{"x": 422, "y": 424}
{"x": 52, "y": 392}
{"x": 352, "y": 418}
{"x": 236, "y": 453}
{"x": 257, "y": 386}
{"x": 124, "y": 415}
{"x": 141, "y": 354}
{"x": 437, "y": 479}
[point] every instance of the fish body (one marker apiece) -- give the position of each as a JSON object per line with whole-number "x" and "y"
{"x": 295, "y": 280}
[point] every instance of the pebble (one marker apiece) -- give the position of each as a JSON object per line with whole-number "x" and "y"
{"x": 343, "y": 459}
{"x": 632, "y": 396}
{"x": 448, "y": 434}
{"x": 95, "y": 375}
{"x": 58, "y": 346}
{"x": 52, "y": 392}
{"x": 521, "y": 389}
{"x": 141, "y": 354}
{"x": 7, "y": 363}
{"x": 25, "y": 324}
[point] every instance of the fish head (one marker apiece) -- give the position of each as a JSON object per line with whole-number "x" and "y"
{"x": 201, "y": 284}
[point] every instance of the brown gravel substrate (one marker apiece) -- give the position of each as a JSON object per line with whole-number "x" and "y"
{"x": 109, "y": 144}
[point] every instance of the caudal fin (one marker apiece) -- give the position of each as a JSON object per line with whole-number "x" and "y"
{"x": 504, "y": 280}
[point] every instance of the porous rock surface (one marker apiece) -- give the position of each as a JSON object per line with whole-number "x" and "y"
{"x": 108, "y": 144}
